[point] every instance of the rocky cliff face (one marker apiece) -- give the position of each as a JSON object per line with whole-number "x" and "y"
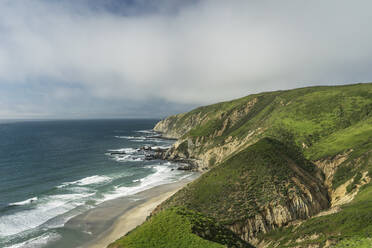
{"x": 176, "y": 126}
{"x": 255, "y": 191}
{"x": 168, "y": 130}
{"x": 272, "y": 216}
{"x": 202, "y": 150}
{"x": 305, "y": 203}
{"x": 337, "y": 183}
{"x": 326, "y": 124}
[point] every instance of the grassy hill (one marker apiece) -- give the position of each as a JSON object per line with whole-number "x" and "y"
{"x": 282, "y": 169}
{"x": 323, "y": 121}
{"x": 265, "y": 177}
{"x": 179, "y": 227}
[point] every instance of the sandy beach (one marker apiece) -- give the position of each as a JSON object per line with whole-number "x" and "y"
{"x": 115, "y": 218}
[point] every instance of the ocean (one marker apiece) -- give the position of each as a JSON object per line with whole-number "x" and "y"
{"x": 52, "y": 171}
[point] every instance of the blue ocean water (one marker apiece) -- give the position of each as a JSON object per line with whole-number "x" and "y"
{"x": 51, "y": 171}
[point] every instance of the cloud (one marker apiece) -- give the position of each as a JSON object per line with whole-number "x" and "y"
{"x": 185, "y": 54}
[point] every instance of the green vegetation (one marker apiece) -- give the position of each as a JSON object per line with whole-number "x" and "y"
{"x": 290, "y": 131}
{"x": 324, "y": 121}
{"x": 179, "y": 227}
{"x": 355, "y": 182}
{"x": 353, "y": 166}
{"x": 237, "y": 189}
{"x": 183, "y": 147}
{"x": 357, "y": 137}
{"x": 353, "y": 223}
{"x": 355, "y": 243}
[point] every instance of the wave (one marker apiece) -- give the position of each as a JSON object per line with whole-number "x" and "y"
{"x": 132, "y": 138}
{"x": 128, "y": 158}
{"x": 124, "y": 137}
{"x": 93, "y": 180}
{"x": 124, "y": 150}
{"x": 158, "y": 140}
{"x": 37, "y": 241}
{"x": 25, "y": 202}
{"x": 162, "y": 175}
{"x": 46, "y": 208}
{"x": 160, "y": 147}
{"x": 55, "y": 210}
{"x": 153, "y": 137}
{"x": 149, "y": 131}
{"x": 87, "y": 181}
{"x": 126, "y": 154}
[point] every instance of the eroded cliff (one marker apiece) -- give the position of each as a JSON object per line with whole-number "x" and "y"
{"x": 281, "y": 169}
{"x": 260, "y": 188}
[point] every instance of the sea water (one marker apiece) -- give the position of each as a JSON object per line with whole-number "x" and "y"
{"x": 51, "y": 171}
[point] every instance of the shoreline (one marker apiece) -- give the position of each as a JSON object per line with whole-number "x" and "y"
{"x": 113, "y": 219}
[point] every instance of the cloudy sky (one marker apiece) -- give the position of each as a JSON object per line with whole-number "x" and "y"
{"x": 151, "y": 58}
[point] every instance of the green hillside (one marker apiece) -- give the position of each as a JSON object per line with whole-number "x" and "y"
{"x": 263, "y": 175}
{"x": 314, "y": 116}
{"x": 272, "y": 163}
{"x": 182, "y": 228}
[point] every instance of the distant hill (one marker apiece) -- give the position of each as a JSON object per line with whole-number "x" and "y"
{"x": 281, "y": 169}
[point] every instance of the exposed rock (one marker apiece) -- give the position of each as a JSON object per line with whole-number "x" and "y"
{"x": 304, "y": 196}
{"x": 117, "y": 153}
{"x": 311, "y": 237}
{"x": 170, "y": 128}
{"x": 186, "y": 167}
{"x": 274, "y": 216}
{"x": 330, "y": 165}
{"x": 201, "y": 149}
{"x": 339, "y": 196}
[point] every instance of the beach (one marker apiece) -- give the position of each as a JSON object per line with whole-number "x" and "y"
{"x": 96, "y": 174}
{"x": 113, "y": 219}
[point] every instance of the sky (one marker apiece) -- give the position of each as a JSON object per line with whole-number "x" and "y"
{"x": 152, "y": 58}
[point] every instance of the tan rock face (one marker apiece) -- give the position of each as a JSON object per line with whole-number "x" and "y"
{"x": 177, "y": 125}
{"x": 339, "y": 196}
{"x": 299, "y": 206}
{"x": 329, "y": 166}
{"x": 202, "y": 149}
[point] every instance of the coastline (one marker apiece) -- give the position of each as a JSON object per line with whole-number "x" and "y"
{"x": 115, "y": 218}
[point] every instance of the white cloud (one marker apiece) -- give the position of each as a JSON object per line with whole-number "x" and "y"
{"x": 206, "y": 52}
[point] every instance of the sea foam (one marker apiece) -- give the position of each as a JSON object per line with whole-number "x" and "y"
{"x": 37, "y": 241}
{"x": 25, "y": 202}
{"x": 147, "y": 131}
{"x": 46, "y": 209}
{"x": 96, "y": 179}
{"x": 162, "y": 175}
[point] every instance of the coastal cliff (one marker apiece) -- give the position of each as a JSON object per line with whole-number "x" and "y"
{"x": 280, "y": 169}
{"x": 257, "y": 190}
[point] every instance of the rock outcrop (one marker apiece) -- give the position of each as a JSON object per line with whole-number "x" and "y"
{"x": 261, "y": 188}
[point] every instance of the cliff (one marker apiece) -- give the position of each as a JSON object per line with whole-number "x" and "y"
{"x": 261, "y": 188}
{"x": 281, "y": 169}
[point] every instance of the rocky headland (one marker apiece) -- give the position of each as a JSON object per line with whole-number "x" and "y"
{"x": 279, "y": 169}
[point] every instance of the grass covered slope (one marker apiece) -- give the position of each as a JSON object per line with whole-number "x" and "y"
{"x": 182, "y": 228}
{"x": 273, "y": 161}
{"x": 264, "y": 186}
{"x": 176, "y": 126}
{"x": 323, "y": 121}
{"x": 309, "y": 113}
